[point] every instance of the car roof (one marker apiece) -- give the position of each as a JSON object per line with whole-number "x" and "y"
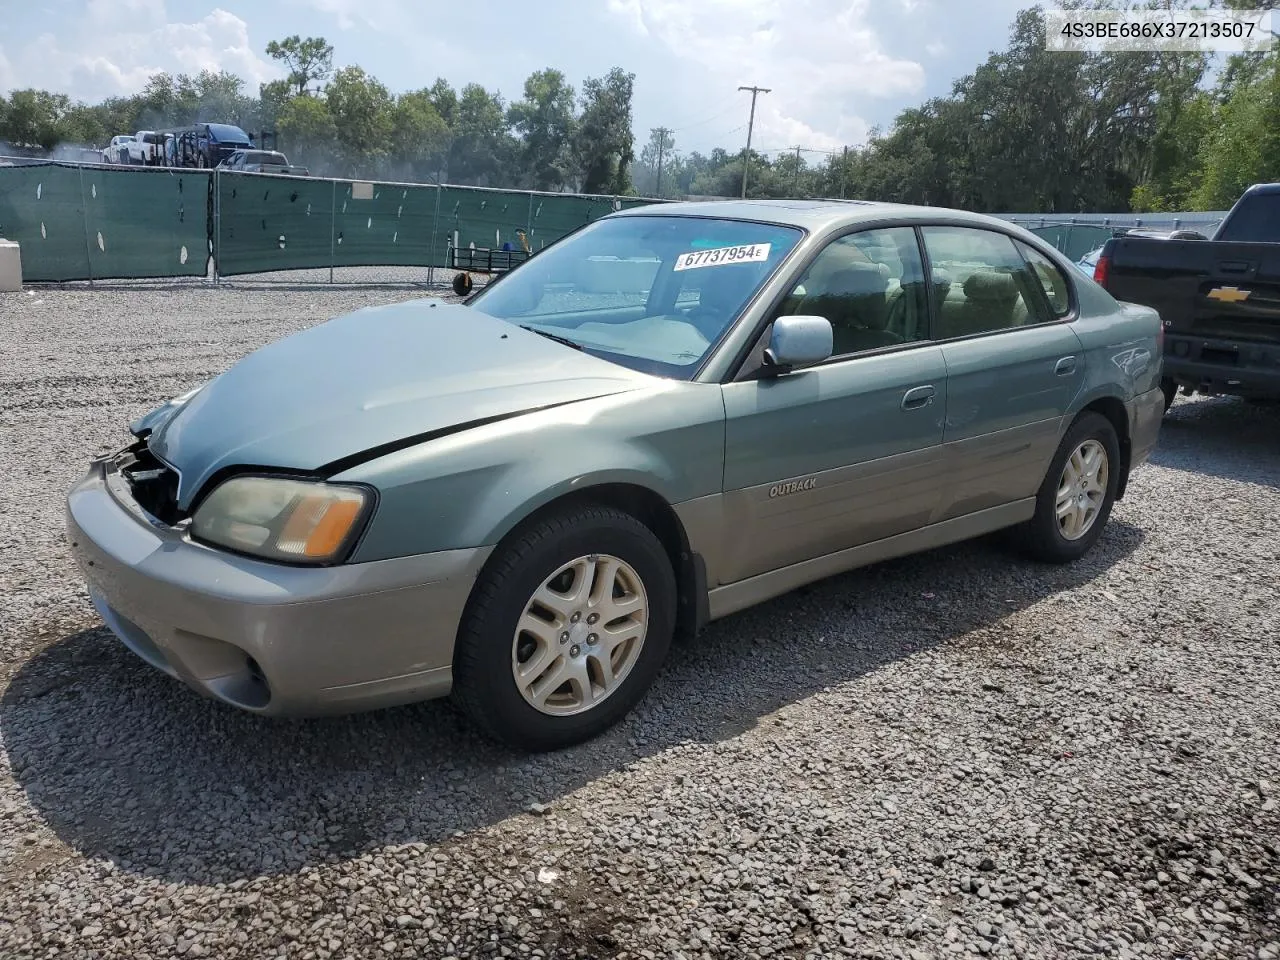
{"x": 810, "y": 214}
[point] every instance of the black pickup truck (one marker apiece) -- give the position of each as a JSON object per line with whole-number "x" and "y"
{"x": 1219, "y": 298}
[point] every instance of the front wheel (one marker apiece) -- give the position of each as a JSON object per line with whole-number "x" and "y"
{"x": 1075, "y": 499}
{"x": 566, "y": 628}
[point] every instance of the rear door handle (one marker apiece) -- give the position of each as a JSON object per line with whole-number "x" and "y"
{"x": 918, "y": 397}
{"x": 1065, "y": 367}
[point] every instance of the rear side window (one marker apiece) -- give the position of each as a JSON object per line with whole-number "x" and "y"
{"x": 983, "y": 284}
{"x": 1255, "y": 220}
{"x": 1051, "y": 279}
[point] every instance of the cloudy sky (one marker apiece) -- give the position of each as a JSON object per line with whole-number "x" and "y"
{"x": 835, "y": 67}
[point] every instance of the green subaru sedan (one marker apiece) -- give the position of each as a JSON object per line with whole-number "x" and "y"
{"x": 674, "y": 413}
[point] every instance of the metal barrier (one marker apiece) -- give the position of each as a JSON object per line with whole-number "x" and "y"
{"x": 97, "y": 221}
{"x": 94, "y": 222}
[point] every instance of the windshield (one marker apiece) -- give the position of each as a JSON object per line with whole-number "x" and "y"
{"x": 225, "y": 133}
{"x": 650, "y": 292}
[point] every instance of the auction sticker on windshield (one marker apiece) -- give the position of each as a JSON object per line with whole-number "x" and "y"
{"x": 744, "y": 253}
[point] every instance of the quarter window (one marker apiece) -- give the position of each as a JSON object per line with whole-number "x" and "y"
{"x": 870, "y": 286}
{"x": 1051, "y": 279}
{"x": 984, "y": 283}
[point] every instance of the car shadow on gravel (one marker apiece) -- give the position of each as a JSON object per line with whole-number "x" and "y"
{"x": 1222, "y": 437}
{"x": 126, "y": 765}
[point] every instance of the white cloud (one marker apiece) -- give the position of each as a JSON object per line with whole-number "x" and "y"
{"x": 124, "y": 42}
{"x": 384, "y": 16}
{"x": 936, "y": 48}
{"x": 822, "y": 60}
{"x": 8, "y": 78}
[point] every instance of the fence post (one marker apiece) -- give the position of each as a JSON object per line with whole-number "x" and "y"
{"x": 333, "y": 219}
{"x": 528, "y": 224}
{"x": 435, "y": 231}
{"x": 84, "y": 219}
{"x": 217, "y": 225}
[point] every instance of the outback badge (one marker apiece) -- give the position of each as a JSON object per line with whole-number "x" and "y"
{"x": 792, "y": 486}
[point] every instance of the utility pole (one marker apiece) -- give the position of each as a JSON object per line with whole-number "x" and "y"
{"x": 662, "y": 144}
{"x": 746, "y": 154}
{"x": 844, "y": 172}
{"x": 795, "y": 182}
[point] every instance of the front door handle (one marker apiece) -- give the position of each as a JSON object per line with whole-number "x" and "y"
{"x": 1065, "y": 367}
{"x": 918, "y": 397}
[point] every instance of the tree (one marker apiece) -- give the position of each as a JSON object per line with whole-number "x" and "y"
{"x": 482, "y": 150}
{"x": 307, "y": 128}
{"x": 309, "y": 60}
{"x": 34, "y": 118}
{"x": 419, "y": 135}
{"x": 545, "y": 121}
{"x": 604, "y": 139}
{"x": 362, "y": 110}
{"x": 272, "y": 97}
{"x": 661, "y": 149}
{"x": 445, "y": 100}
{"x": 1243, "y": 147}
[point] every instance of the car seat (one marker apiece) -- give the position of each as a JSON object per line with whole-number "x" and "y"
{"x": 991, "y": 299}
{"x": 853, "y": 298}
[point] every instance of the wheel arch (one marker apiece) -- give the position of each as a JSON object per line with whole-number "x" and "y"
{"x": 1114, "y": 410}
{"x": 654, "y": 511}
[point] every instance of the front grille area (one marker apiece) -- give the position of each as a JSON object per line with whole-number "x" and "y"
{"x": 154, "y": 485}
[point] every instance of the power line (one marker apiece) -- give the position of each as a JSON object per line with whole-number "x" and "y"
{"x": 746, "y": 154}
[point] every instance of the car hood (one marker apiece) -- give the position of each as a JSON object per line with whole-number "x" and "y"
{"x": 377, "y": 378}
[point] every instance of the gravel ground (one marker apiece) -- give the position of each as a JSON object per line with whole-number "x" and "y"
{"x": 956, "y": 753}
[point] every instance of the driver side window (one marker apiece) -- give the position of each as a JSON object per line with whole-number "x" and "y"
{"x": 870, "y": 287}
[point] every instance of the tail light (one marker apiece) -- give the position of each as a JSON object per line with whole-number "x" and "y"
{"x": 1102, "y": 271}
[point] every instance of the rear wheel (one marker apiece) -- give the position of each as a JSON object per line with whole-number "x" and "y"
{"x": 1075, "y": 499}
{"x": 566, "y": 629}
{"x": 1170, "y": 393}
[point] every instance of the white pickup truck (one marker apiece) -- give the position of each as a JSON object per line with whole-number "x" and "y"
{"x": 144, "y": 148}
{"x": 117, "y": 151}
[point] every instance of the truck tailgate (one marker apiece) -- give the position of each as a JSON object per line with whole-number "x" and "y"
{"x": 1202, "y": 288}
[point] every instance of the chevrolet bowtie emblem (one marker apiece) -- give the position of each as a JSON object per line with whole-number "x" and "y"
{"x": 1228, "y": 294}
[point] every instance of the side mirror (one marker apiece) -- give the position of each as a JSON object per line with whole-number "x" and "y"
{"x": 798, "y": 341}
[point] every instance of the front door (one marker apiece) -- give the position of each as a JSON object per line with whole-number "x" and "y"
{"x": 849, "y": 451}
{"x": 1014, "y": 365}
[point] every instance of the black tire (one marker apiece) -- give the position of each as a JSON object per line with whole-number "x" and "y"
{"x": 1170, "y": 393}
{"x": 483, "y": 682}
{"x": 1041, "y": 537}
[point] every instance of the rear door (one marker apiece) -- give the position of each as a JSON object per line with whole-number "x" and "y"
{"x": 1014, "y": 364}
{"x": 849, "y": 451}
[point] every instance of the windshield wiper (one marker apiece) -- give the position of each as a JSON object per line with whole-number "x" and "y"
{"x": 552, "y": 336}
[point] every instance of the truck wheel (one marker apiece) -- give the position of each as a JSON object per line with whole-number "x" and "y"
{"x": 566, "y": 628}
{"x": 1170, "y": 392}
{"x": 1075, "y": 499}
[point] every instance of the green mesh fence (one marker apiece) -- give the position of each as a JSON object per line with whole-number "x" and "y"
{"x": 383, "y": 224}
{"x": 480, "y": 218}
{"x": 147, "y": 223}
{"x": 93, "y": 223}
{"x": 556, "y": 216}
{"x": 272, "y": 223}
{"x": 98, "y": 222}
{"x": 1073, "y": 239}
{"x": 41, "y": 207}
